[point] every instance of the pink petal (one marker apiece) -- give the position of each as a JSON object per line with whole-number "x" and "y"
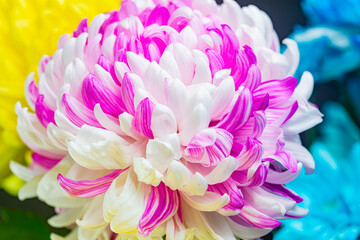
{"x": 159, "y": 15}
{"x": 142, "y": 118}
{"x": 43, "y": 161}
{"x": 128, "y": 93}
{"x": 251, "y": 178}
{"x": 217, "y": 143}
{"x": 162, "y": 204}
{"x": 251, "y": 153}
{"x": 236, "y": 198}
{"x": 94, "y": 92}
{"x": 240, "y": 112}
{"x": 215, "y": 60}
{"x": 279, "y": 90}
{"x": 88, "y": 188}
{"x": 82, "y": 27}
{"x": 253, "y": 79}
{"x": 282, "y": 190}
{"x": 43, "y": 112}
{"x": 109, "y": 67}
{"x": 77, "y": 113}
{"x": 256, "y": 218}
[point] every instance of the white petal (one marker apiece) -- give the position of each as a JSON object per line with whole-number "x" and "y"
{"x": 93, "y": 217}
{"x": 146, "y": 172}
{"x": 22, "y": 172}
{"x": 74, "y": 74}
{"x": 292, "y": 54}
{"x": 223, "y": 97}
{"x": 177, "y": 98}
{"x": 159, "y": 154}
{"x": 97, "y": 149}
{"x": 202, "y": 69}
{"x": 108, "y": 47}
{"x": 196, "y": 186}
{"x": 306, "y": 85}
{"x": 95, "y": 25}
{"x": 66, "y": 217}
{"x": 50, "y": 191}
{"x": 222, "y": 171}
{"x": 80, "y": 45}
{"x": 168, "y": 63}
{"x": 125, "y": 195}
{"x": 69, "y": 51}
{"x": 189, "y": 37}
{"x": 163, "y": 121}
{"x": 28, "y": 190}
{"x": 209, "y": 202}
{"x": 177, "y": 175}
{"x": 185, "y": 62}
{"x": 219, "y": 225}
{"x": 137, "y": 63}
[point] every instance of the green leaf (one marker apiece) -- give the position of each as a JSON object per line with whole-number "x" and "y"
{"x": 15, "y": 224}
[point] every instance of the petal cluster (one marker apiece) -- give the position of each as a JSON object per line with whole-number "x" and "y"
{"x": 174, "y": 118}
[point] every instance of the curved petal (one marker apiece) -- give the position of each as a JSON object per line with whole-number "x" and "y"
{"x": 162, "y": 204}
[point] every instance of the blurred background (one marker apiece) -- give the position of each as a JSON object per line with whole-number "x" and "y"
{"x": 327, "y": 32}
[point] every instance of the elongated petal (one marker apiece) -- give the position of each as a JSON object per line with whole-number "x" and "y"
{"x": 88, "y": 188}
{"x": 162, "y": 203}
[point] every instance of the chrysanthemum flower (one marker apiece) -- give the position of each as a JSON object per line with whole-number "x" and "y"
{"x": 174, "y": 118}
{"x": 29, "y": 29}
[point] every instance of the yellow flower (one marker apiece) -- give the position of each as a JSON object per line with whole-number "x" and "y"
{"x": 30, "y": 29}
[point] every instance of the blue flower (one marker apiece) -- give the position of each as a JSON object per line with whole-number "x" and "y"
{"x": 335, "y": 12}
{"x": 328, "y": 52}
{"x": 332, "y": 192}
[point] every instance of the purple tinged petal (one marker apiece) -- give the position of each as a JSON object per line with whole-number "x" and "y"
{"x": 43, "y": 112}
{"x": 253, "y": 79}
{"x": 120, "y": 56}
{"x": 160, "y": 15}
{"x": 113, "y": 17}
{"x": 288, "y": 114}
{"x": 287, "y": 159}
{"x": 251, "y": 153}
{"x": 162, "y": 204}
{"x": 46, "y": 162}
{"x": 142, "y": 118}
{"x": 33, "y": 92}
{"x": 82, "y": 27}
{"x": 135, "y": 46}
{"x": 236, "y": 198}
{"x": 109, "y": 67}
{"x": 216, "y": 62}
{"x": 262, "y": 103}
{"x": 282, "y": 190}
{"x": 120, "y": 44}
{"x": 128, "y": 93}
{"x": 231, "y": 41}
{"x": 77, "y": 113}
{"x": 88, "y": 188}
{"x": 94, "y": 91}
{"x": 217, "y": 143}
{"x": 240, "y": 68}
{"x": 250, "y": 55}
{"x": 279, "y": 91}
{"x": 256, "y": 218}
{"x": 240, "y": 112}
{"x": 259, "y": 123}
{"x": 249, "y": 178}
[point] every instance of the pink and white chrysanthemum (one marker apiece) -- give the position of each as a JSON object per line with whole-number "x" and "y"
{"x": 176, "y": 118}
